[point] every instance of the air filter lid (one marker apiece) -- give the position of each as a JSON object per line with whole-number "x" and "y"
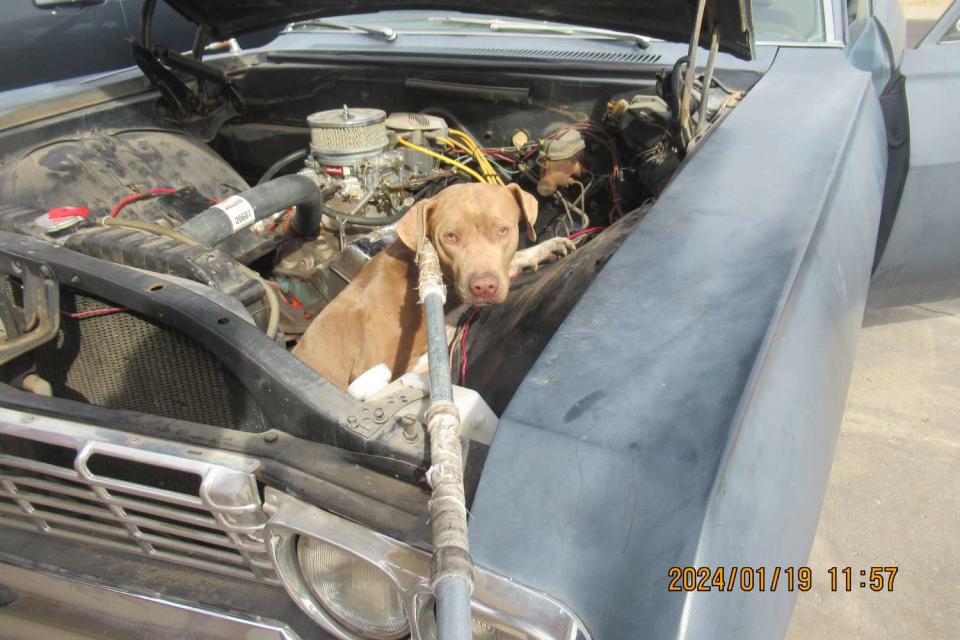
{"x": 342, "y": 135}
{"x": 346, "y": 117}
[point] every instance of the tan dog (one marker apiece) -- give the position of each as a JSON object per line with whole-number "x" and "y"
{"x": 378, "y": 319}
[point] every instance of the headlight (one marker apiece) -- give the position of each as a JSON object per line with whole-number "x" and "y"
{"x": 354, "y": 591}
{"x": 360, "y": 584}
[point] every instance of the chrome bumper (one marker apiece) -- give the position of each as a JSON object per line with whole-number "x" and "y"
{"x": 39, "y": 604}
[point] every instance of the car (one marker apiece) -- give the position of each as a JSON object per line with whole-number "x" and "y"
{"x": 648, "y": 424}
{"x": 47, "y": 40}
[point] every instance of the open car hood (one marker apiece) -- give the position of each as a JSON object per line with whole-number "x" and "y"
{"x": 667, "y": 19}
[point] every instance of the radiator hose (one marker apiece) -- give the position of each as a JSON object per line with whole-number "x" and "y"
{"x": 239, "y": 211}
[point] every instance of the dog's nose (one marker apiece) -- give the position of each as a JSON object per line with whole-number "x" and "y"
{"x": 484, "y": 286}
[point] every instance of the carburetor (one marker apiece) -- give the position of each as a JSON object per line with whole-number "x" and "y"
{"x": 351, "y": 151}
{"x": 368, "y": 179}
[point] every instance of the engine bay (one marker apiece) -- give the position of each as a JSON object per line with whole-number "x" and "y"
{"x": 337, "y": 157}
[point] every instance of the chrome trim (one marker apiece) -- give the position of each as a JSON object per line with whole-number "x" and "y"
{"x": 829, "y": 25}
{"x": 801, "y": 45}
{"x": 218, "y": 529}
{"x": 58, "y": 605}
{"x": 495, "y": 598}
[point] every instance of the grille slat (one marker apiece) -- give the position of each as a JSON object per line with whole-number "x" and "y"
{"x": 37, "y": 483}
{"x": 83, "y": 508}
{"x": 130, "y": 504}
{"x": 183, "y": 532}
{"x": 47, "y": 517}
{"x": 37, "y": 467}
{"x": 196, "y": 507}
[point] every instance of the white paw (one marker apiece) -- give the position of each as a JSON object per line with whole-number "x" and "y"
{"x": 546, "y": 251}
{"x": 561, "y": 246}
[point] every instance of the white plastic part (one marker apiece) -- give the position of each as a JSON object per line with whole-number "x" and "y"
{"x": 478, "y": 422}
{"x": 370, "y": 382}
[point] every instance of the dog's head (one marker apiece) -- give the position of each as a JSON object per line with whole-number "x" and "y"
{"x": 475, "y": 229}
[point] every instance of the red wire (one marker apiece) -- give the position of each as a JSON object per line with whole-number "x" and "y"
{"x": 133, "y": 197}
{"x": 597, "y": 133}
{"x": 500, "y": 156}
{"x": 94, "y": 313}
{"x": 463, "y": 346}
{"x": 584, "y": 232}
{"x": 529, "y": 155}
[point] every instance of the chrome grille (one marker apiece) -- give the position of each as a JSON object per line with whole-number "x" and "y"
{"x": 189, "y": 505}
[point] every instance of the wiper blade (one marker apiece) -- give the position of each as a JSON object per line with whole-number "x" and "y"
{"x": 495, "y": 24}
{"x": 388, "y": 34}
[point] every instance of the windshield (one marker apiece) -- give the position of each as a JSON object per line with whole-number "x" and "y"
{"x": 429, "y": 22}
{"x": 789, "y": 21}
{"x": 796, "y": 21}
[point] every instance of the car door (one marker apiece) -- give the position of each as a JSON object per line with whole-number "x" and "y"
{"x": 48, "y": 40}
{"x": 919, "y": 260}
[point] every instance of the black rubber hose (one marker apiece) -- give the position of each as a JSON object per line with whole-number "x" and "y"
{"x": 447, "y": 115}
{"x": 308, "y": 218}
{"x": 281, "y": 164}
{"x": 146, "y": 23}
{"x": 243, "y": 209}
{"x": 360, "y": 221}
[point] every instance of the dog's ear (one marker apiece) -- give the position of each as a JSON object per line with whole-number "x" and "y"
{"x": 528, "y": 208}
{"x": 409, "y": 228}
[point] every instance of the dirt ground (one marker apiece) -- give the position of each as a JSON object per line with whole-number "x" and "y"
{"x": 892, "y": 499}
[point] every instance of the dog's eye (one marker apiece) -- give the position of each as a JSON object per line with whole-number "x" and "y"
{"x": 503, "y": 231}
{"x": 451, "y": 238}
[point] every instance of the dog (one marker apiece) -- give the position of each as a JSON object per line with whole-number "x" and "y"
{"x": 378, "y": 318}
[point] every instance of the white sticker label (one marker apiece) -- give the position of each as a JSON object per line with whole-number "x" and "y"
{"x": 239, "y": 212}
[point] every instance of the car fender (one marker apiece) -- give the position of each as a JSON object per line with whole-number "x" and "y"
{"x": 686, "y": 412}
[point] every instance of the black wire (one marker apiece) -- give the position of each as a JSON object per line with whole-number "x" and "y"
{"x": 280, "y": 164}
{"x": 360, "y": 221}
{"x": 199, "y": 42}
{"x": 146, "y": 23}
{"x": 446, "y": 114}
{"x": 722, "y": 86}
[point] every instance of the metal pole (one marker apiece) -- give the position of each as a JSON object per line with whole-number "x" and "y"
{"x": 685, "y": 97}
{"x": 708, "y": 78}
{"x": 451, "y": 567}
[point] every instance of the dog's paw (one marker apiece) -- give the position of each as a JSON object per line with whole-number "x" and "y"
{"x": 562, "y": 245}
{"x": 546, "y": 251}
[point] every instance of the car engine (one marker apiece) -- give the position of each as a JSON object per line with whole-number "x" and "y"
{"x": 328, "y": 187}
{"x": 367, "y": 182}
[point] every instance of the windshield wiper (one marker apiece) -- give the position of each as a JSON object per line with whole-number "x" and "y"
{"x": 388, "y": 34}
{"x": 496, "y": 24}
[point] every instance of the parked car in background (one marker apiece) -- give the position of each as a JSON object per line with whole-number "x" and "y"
{"x": 47, "y": 40}
{"x": 739, "y": 177}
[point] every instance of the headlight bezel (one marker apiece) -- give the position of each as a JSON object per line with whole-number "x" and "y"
{"x": 495, "y": 598}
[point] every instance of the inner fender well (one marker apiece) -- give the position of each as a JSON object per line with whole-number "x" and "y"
{"x": 96, "y": 170}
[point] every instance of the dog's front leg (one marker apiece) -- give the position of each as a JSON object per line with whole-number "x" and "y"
{"x": 546, "y": 251}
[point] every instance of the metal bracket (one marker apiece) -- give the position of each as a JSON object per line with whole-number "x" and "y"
{"x": 372, "y": 415}
{"x": 41, "y": 306}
